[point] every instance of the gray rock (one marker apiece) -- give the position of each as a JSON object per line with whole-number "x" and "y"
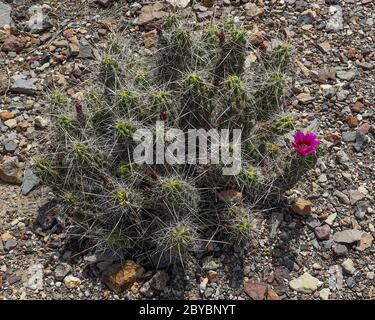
{"x": 41, "y": 122}
{"x": 85, "y": 52}
{"x": 342, "y": 95}
{"x": 340, "y": 250}
{"x": 336, "y": 279}
{"x": 342, "y": 158}
{"x": 342, "y": 197}
{"x": 10, "y": 146}
{"x": 10, "y": 244}
{"x": 30, "y": 181}
{"x": 360, "y": 141}
{"x": 346, "y": 75}
{"x": 34, "y": 277}
{"x": 39, "y": 21}
{"x": 336, "y": 22}
{"x": 361, "y": 209}
{"x": 62, "y": 270}
{"x": 158, "y": 282}
{"x": 4, "y": 14}
{"x": 355, "y": 195}
{"x": 22, "y": 85}
{"x": 347, "y": 236}
{"x": 349, "y": 136}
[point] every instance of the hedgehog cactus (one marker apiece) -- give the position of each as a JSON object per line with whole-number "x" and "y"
{"x": 194, "y": 80}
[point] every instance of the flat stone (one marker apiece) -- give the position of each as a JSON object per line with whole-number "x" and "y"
{"x": 346, "y": 75}
{"x": 5, "y": 11}
{"x": 253, "y": 10}
{"x": 349, "y": 136}
{"x": 151, "y": 13}
{"x": 336, "y": 22}
{"x": 255, "y": 289}
{"x": 365, "y": 242}
{"x": 25, "y": 86}
{"x": 348, "y": 266}
{"x": 10, "y": 244}
{"x": 11, "y": 123}
{"x": 347, "y": 236}
{"x": 305, "y": 283}
{"x": 34, "y": 277}
{"x": 30, "y": 181}
{"x": 325, "y": 47}
{"x": 355, "y": 195}
{"x": 305, "y": 98}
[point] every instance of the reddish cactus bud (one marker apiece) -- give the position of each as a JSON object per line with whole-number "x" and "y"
{"x": 216, "y": 82}
{"x": 221, "y": 35}
{"x": 158, "y": 29}
{"x": 78, "y": 106}
{"x": 163, "y": 115}
{"x": 263, "y": 46}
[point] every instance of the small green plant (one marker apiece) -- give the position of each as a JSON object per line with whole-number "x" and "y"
{"x": 59, "y": 99}
{"x": 109, "y": 65}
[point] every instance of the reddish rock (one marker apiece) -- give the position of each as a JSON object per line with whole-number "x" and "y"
{"x": 272, "y": 295}
{"x": 352, "y": 54}
{"x": 352, "y": 121}
{"x": 122, "y": 277}
{"x": 255, "y": 289}
{"x": 357, "y": 107}
{"x": 323, "y": 232}
{"x": 13, "y": 44}
{"x": 68, "y": 33}
{"x": 22, "y": 126}
{"x": 6, "y": 116}
{"x": 364, "y": 128}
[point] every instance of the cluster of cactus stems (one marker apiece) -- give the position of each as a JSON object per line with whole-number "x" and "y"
{"x": 194, "y": 80}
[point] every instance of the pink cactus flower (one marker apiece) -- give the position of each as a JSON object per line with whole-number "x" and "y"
{"x": 305, "y": 144}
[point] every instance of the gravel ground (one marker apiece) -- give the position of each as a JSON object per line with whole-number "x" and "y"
{"x": 326, "y": 254}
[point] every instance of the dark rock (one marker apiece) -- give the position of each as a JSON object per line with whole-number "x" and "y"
{"x": 22, "y": 85}
{"x": 30, "y": 181}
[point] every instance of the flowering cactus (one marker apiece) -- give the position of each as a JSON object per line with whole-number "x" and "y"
{"x": 194, "y": 80}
